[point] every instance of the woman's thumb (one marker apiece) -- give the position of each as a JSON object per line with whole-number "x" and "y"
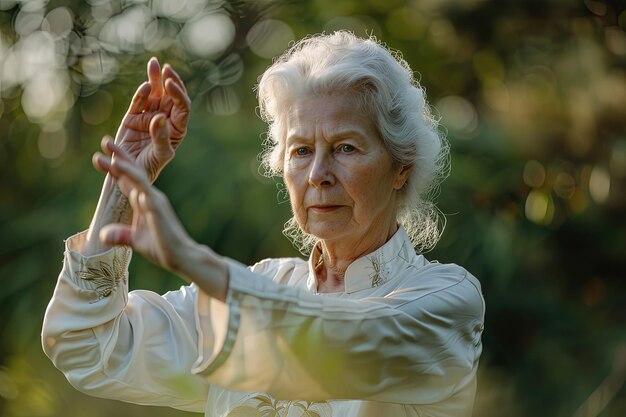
{"x": 159, "y": 132}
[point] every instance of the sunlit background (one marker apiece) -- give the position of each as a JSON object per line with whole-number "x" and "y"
{"x": 532, "y": 95}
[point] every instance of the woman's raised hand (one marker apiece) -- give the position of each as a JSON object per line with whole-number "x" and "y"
{"x": 155, "y": 230}
{"x": 164, "y": 93}
{"x": 161, "y": 101}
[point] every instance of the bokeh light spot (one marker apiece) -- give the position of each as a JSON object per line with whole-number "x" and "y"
{"x": 37, "y": 53}
{"x": 229, "y": 71}
{"x": 269, "y": 38}
{"x": 534, "y": 174}
{"x": 180, "y": 10}
{"x": 58, "y": 21}
{"x": 124, "y": 32}
{"x": 458, "y": 114}
{"x": 45, "y": 94}
{"x": 615, "y": 40}
{"x": 599, "y": 184}
{"x": 564, "y": 185}
{"x": 443, "y": 35}
{"x": 496, "y": 95}
{"x": 539, "y": 207}
{"x": 223, "y": 101}
{"x": 33, "y": 5}
{"x": 28, "y": 22}
{"x": 579, "y": 201}
{"x": 97, "y": 108}
{"x": 159, "y": 34}
{"x": 168, "y": 8}
{"x": 99, "y": 67}
{"x": 208, "y": 35}
{"x": 7, "y": 4}
{"x": 101, "y": 11}
{"x": 52, "y": 144}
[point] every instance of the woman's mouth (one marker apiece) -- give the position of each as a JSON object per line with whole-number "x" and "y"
{"x": 324, "y": 208}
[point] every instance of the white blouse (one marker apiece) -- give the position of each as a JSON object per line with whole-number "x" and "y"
{"x": 402, "y": 340}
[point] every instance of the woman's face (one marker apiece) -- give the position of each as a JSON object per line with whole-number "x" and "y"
{"x": 341, "y": 180}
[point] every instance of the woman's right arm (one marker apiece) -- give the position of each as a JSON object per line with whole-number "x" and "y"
{"x": 137, "y": 347}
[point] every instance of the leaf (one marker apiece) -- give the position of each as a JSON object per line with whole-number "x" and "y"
{"x": 244, "y": 411}
{"x": 322, "y": 409}
{"x": 264, "y": 399}
{"x": 298, "y": 404}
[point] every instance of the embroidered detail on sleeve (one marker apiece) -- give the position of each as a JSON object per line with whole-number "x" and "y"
{"x": 105, "y": 279}
{"x": 263, "y": 405}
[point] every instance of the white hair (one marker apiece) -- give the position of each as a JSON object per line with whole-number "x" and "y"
{"x": 384, "y": 84}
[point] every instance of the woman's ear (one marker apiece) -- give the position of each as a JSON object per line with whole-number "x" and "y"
{"x": 402, "y": 176}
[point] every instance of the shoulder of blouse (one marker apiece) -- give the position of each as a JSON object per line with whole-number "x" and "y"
{"x": 439, "y": 285}
{"x": 286, "y": 271}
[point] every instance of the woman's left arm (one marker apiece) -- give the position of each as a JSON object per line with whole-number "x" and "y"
{"x": 403, "y": 348}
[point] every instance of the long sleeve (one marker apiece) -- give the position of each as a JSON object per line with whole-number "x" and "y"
{"x": 417, "y": 344}
{"x": 136, "y": 347}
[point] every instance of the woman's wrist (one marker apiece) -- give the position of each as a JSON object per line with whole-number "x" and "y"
{"x": 205, "y": 268}
{"x": 113, "y": 207}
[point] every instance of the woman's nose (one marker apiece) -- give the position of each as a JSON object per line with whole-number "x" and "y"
{"x": 321, "y": 173}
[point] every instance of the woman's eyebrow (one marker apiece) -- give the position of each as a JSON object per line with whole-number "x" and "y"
{"x": 291, "y": 138}
{"x": 334, "y": 137}
{"x": 350, "y": 133}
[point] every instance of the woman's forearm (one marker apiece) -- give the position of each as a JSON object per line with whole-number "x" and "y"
{"x": 113, "y": 207}
{"x": 207, "y": 269}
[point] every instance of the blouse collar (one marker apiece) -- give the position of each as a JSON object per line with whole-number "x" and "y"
{"x": 373, "y": 269}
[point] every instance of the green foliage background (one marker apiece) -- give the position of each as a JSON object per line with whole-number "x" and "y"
{"x": 532, "y": 95}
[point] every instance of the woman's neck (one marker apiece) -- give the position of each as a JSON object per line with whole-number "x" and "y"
{"x": 336, "y": 257}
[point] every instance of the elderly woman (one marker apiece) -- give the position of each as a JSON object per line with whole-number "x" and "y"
{"x": 364, "y": 327}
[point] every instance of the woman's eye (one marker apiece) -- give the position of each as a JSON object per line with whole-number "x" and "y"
{"x": 346, "y": 148}
{"x": 302, "y": 151}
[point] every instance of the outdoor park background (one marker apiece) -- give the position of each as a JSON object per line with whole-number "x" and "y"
{"x": 533, "y": 97}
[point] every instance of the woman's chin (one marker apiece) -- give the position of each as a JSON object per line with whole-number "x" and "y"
{"x": 328, "y": 230}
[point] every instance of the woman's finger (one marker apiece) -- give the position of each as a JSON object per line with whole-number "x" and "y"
{"x": 160, "y": 135}
{"x": 103, "y": 145}
{"x": 178, "y": 94}
{"x": 138, "y": 103}
{"x": 170, "y": 73}
{"x": 125, "y": 171}
{"x": 116, "y": 234}
{"x": 156, "y": 83}
{"x": 101, "y": 162}
{"x": 115, "y": 150}
{"x": 133, "y": 199}
{"x": 106, "y": 165}
{"x": 154, "y": 76}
